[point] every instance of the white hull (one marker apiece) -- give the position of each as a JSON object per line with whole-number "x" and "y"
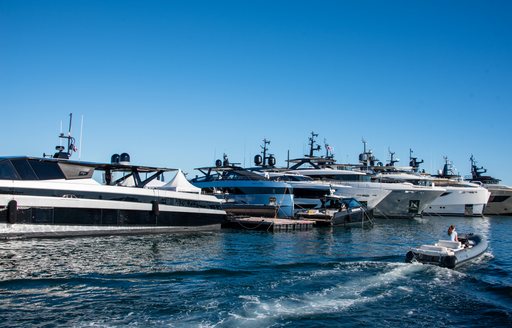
{"x": 460, "y": 201}
{"x": 406, "y": 203}
{"x": 404, "y": 200}
{"x": 369, "y": 197}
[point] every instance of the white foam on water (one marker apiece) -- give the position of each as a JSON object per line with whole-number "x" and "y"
{"x": 486, "y": 256}
{"x": 405, "y": 289}
{"x": 323, "y": 273}
{"x": 250, "y": 298}
{"x": 338, "y": 298}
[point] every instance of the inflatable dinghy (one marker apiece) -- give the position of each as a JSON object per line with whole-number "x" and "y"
{"x": 449, "y": 254}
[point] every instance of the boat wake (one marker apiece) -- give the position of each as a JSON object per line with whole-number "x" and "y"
{"x": 383, "y": 280}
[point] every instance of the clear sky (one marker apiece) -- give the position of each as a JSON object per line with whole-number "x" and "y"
{"x": 178, "y": 83}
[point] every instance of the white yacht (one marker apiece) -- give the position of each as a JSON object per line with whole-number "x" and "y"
{"x": 399, "y": 200}
{"x": 368, "y": 198}
{"x": 500, "y": 201}
{"x": 336, "y": 180}
{"x": 59, "y": 196}
{"x": 315, "y": 168}
{"x": 461, "y": 198}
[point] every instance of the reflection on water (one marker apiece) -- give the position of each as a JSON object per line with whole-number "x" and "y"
{"x": 52, "y": 258}
{"x": 321, "y": 277}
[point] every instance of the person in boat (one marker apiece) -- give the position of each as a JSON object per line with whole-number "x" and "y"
{"x": 452, "y": 233}
{"x": 343, "y": 207}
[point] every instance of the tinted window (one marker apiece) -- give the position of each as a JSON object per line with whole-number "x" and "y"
{"x": 351, "y": 203}
{"x": 7, "y": 171}
{"x": 47, "y": 170}
{"x": 348, "y": 177}
{"x": 498, "y": 199}
{"x": 24, "y": 169}
{"x": 255, "y": 190}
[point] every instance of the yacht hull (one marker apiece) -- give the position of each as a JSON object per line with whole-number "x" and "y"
{"x": 500, "y": 202}
{"x": 260, "y": 204}
{"x": 406, "y": 203}
{"x": 93, "y": 205}
{"x": 402, "y": 200}
{"x": 369, "y": 197}
{"x": 254, "y": 196}
{"x": 460, "y": 201}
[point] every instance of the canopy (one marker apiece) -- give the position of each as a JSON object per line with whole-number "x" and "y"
{"x": 181, "y": 184}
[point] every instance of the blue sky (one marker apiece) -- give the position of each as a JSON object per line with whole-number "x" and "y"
{"x": 179, "y": 83}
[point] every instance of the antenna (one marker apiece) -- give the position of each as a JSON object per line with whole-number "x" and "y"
{"x": 81, "y": 134}
{"x": 312, "y": 147}
{"x": 61, "y": 133}
{"x": 265, "y": 160}
{"x": 392, "y": 159}
{"x": 328, "y": 150}
{"x": 71, "y": 143}
{"x": 264, "y": 152}
{"x": 70, "y": 121}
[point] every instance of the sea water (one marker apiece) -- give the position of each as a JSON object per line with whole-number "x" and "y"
{"x": 319, "y": 278}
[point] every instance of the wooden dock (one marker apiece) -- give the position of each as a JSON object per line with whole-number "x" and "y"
{"x": 267, "y": 224}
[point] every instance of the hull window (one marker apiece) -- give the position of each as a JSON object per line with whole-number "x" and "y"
{"x": 498, "y": 199}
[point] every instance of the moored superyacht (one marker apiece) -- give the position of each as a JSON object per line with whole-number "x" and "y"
{"x": 461, "y": 198}
{"x": 244, "y": 192}
{"x": 59, "y": 196}
{"x": 458, "y": 198}
{"x": 500, "y": 201}
{"x": 401, "y": 200}
{"x": 315, "y": 182}
{"x": 424, "y": 192}
{"x": 307, "y": 193}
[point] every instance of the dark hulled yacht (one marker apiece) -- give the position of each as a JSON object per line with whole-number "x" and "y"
{"x": 500, "y": 201}
{"x": 245, "y": 192}
{"x": 57, "y": 195}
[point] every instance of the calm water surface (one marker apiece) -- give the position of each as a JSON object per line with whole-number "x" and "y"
{"x": 318, "y": 278}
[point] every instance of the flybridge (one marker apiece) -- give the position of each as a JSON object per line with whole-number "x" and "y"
{"x": 35, "y": 168}
{"x": 59, "y": 166}
{"x": 224, "y": 170}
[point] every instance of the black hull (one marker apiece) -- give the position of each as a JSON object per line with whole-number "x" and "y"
{"x": 339, "y": 219}
{"x": 251, "y": 210}
{"x": 348, "y": 219}
{"x": 108, "y": 217}
{"x": 442, "y": 261}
